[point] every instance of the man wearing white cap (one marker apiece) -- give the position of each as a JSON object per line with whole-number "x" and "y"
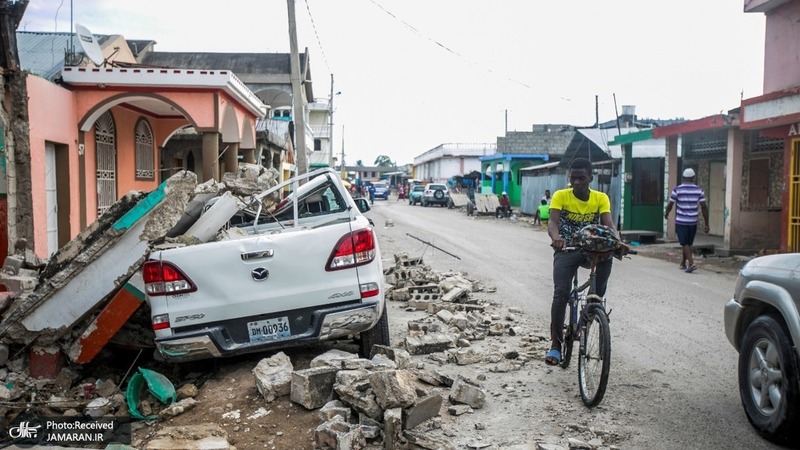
{"x": 687, "y": 197}
{"x": 504, "y": 210}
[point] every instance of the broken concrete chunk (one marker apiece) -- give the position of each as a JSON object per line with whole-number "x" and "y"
{"x": 361, "y": 398}
{"x": 177, "y": 408}
{"x": 178, "y": 190}
{"x": 220, "y": 212}
{"x": 445, "y": 316}
{"x": 467, "y": 393}
{"x": 401, "y": 358}
{"x": 466, "y": 356}
{"x": 335, "y": 408}
{"x": 274, "y": 376}
{"x": 313, "y": 387}
{"x": 332, "y": 358}
{"x": 188, "y": 390}
{"x": 207, "y": 436}
{"x": 423, "y": 410}
{"x": 392, "y": 428}
{"x": 422, "y": 439}
{"x": 336, "y": 434}
{"x": 457, "y": 410}
{"x": 393, "y": 388}
{"x": 429, "y": 343}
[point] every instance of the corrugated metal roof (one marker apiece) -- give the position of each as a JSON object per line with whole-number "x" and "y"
{"x": 600, "y": 137}
{"x": 43, "y": 53}
{"x": 544, "y": 166}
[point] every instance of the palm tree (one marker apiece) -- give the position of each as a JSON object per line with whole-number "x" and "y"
{"x": 384, "y": 161}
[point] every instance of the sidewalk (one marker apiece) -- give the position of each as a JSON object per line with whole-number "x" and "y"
{"x": 704, "y": 256}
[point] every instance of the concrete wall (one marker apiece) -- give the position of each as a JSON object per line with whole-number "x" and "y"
{"x": 52, "y": 113}
{"x": 782, "y": 48}
{"x": 442, "y": 169}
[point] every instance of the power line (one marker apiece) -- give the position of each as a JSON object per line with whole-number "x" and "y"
{"x": 319, "y": 42}
{"x": 444, "y": 47}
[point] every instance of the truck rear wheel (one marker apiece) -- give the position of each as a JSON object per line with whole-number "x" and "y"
{"x": 377, "y": 335}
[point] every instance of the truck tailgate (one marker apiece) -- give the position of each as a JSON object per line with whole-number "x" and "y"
{"x": 259, "y": 275}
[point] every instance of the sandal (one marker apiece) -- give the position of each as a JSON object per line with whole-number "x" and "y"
{"x": 682, "y": 267}
{"x": 691, "y": 268}
{"x": 553, "y": 357}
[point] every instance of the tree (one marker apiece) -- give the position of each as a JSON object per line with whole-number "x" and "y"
{"x": 384, "y": 161}
{"x": 360, "y": 163}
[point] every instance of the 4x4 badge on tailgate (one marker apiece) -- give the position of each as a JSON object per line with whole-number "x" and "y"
{"x": 260, "y": 274}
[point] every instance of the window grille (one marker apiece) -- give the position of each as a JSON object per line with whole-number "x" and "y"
{"x": 105, "y": 138}
{"x": 145, "y": 162}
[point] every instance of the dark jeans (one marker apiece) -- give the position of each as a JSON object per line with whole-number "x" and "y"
{"x": 502, "y": 210}
{"x": 565, "y": 266}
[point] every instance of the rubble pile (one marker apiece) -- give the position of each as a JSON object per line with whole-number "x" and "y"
{"x": 62, "y": 308}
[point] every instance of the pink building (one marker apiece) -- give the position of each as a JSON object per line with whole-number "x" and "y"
{"x": 97, "y": 136}
{"x": 776, "y": 113}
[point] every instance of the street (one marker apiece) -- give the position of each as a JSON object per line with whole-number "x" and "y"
{"x": 673, "y": 376}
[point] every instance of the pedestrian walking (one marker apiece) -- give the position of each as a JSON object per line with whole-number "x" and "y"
{"x": 687, "y": 198}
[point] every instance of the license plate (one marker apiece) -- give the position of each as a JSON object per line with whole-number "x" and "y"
{"x": 268, "y": 330}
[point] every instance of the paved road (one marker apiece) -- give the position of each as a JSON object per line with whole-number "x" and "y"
{"x": 673, "y": 381}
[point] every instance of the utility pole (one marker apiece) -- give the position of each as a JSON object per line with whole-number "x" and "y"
{"x": 344, "y": 174}
{"x": 298, "y": 114}
{"x": 330, "y": 126}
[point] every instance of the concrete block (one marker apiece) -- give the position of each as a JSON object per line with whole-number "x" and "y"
{"x": 429, "y": 343}
{"x": 13, "y": 263}
{"x": 313, "y": 387}
{"x": 336, "y": 434}
{"x": 45, "y": 362}
{"x": 427, "y": 408}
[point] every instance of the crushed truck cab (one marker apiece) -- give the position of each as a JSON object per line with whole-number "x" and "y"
{"x": 305, "y": 269}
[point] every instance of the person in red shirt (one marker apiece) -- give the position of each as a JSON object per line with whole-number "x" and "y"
{"x": 505, "y": 206}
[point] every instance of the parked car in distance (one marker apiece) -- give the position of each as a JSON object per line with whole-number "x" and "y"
{"x": 415, "y": 195}
{"x": 381, "y": 190}
{"x": 435, "y": 194}
{"x": 763, "y": 324}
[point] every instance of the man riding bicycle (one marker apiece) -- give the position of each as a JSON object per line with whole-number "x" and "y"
{"x": 571, "y": 209}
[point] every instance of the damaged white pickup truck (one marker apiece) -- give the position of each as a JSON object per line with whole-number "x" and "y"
{"x": 306, "y": 269}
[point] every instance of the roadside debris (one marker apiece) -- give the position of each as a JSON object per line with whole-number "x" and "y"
{"x": 91, "y": 287}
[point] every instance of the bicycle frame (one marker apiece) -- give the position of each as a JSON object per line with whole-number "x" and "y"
{"x": 584, "y": 311}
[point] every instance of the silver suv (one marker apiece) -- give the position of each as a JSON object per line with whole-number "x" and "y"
{"x": 435, "y": 194}
{"x": 763, "y": 324}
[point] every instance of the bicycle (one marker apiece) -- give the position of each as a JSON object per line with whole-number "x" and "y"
{"x": 589, "y": 325}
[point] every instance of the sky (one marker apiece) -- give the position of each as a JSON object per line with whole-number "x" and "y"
{"x": 415, "y": 74}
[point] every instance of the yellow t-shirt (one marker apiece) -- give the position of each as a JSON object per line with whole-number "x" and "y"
{"x": 576, "y": 213}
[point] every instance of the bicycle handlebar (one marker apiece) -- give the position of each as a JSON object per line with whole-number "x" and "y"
{"x": 572, "y": 249}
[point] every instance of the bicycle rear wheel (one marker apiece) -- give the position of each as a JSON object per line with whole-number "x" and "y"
{"x": 594, "y": 357}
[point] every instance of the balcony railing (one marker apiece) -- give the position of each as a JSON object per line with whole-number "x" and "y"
{"x": 321, "y": 131}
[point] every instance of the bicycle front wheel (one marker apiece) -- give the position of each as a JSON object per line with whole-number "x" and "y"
{"x": 594, "y": 357}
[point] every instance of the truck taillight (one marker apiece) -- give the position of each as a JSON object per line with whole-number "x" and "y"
{"x": 353, "y": 249}
{"x": 369, "y": 290}
{"x": 160, "y": 322}
{"x": 163, "y": 278}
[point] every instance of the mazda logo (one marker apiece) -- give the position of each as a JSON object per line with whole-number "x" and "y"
{"x": 260, "y": 274}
